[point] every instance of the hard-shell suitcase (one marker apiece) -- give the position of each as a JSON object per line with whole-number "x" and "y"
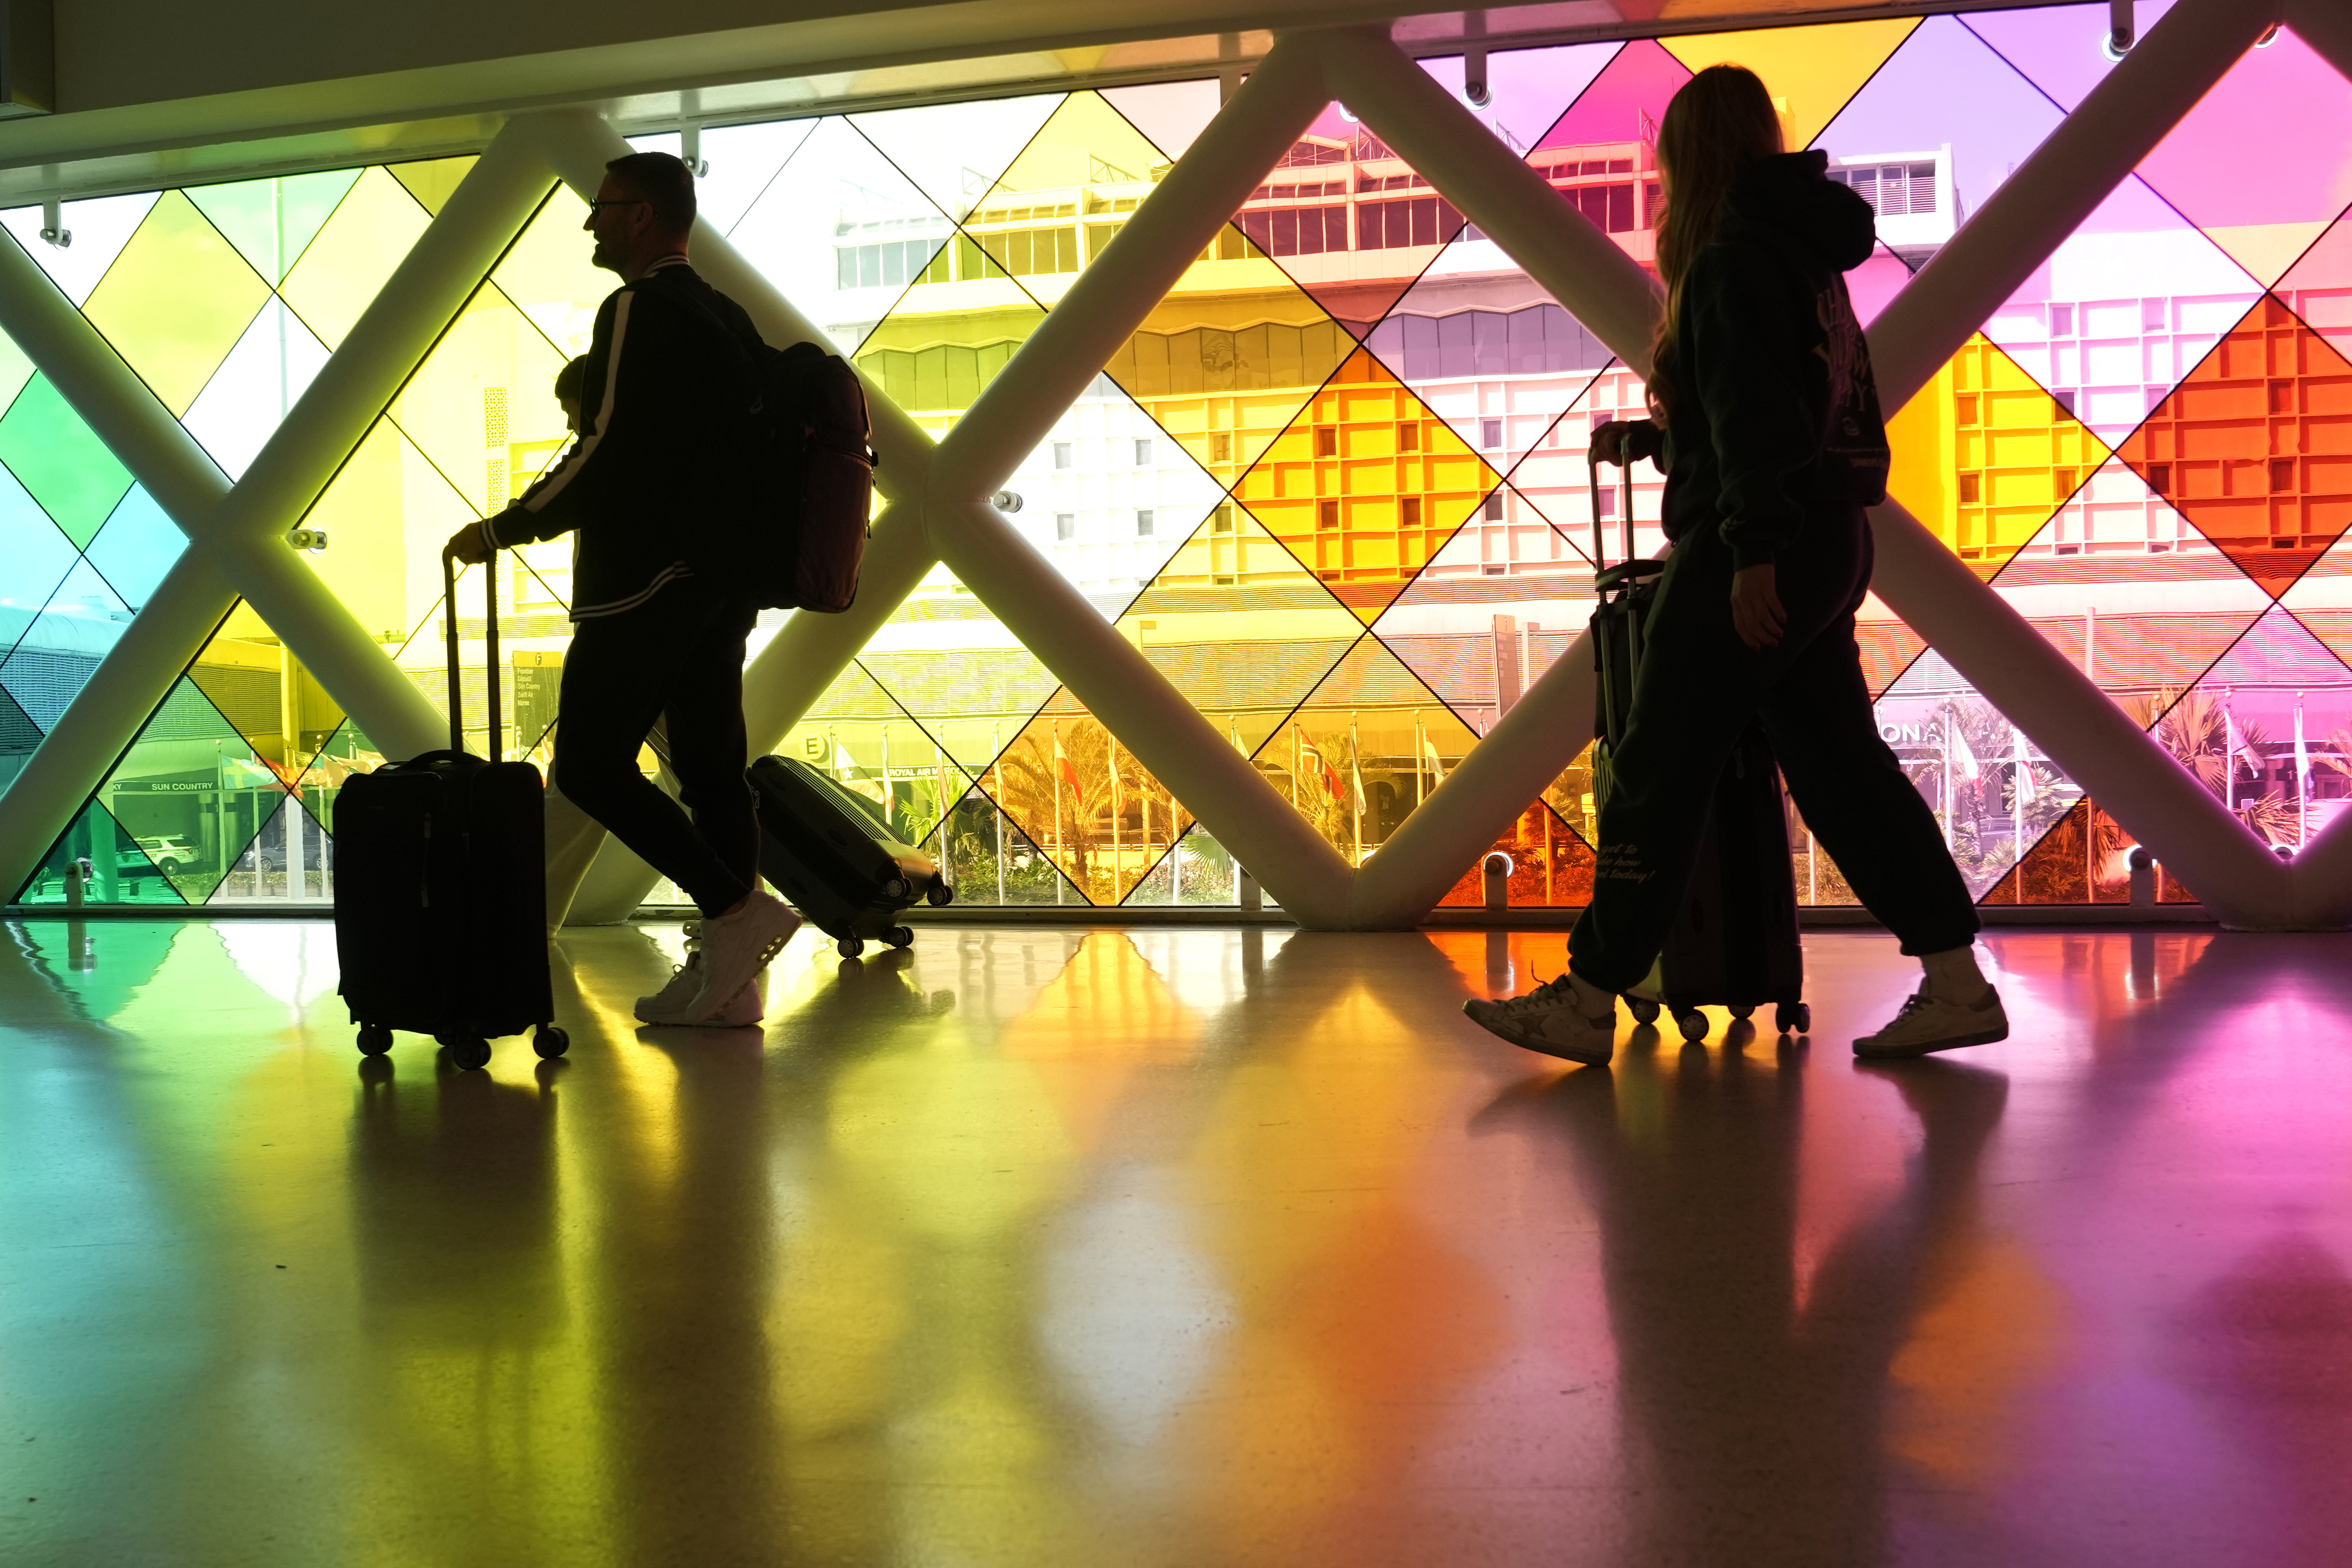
{"x": 830, "y": 852}
{"x": 441, "y": 889}
{"x": 1735, "y": 944}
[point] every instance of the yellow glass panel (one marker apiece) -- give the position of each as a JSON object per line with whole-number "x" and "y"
{"x": 431, "y": 180}
{"x": 1062, "y": 199}
{"x": 1366, "y": 485}
{"x": 1355, "y": 759}
{"x": 1238, "y": 626}
{"x": 1810, "y": 71}
{"x": 944, "y": 343}
{"x": 295, "y": 731}
{"x": 1227, "y": 360}
{"x": 176, "y": 300}
{"x": 858, "y": 735}
{"x": 1083, "y": 798}
{"x": 357, "y": 249}
{"x": 548, "y": 275}
{"x": 486, "y": 390}
{"x": 1983, "y": 456}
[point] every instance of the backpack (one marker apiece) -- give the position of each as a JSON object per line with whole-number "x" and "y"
{"x": 809, "y": 480}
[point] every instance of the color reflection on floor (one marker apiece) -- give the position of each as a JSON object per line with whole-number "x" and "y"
{"x": 1036, "y": 1248}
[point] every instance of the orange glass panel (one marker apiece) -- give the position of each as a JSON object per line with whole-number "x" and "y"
{"x": 2254, "y": 447}
{"x": 1551, "y": 865}
{"x": 1811, "y": 72}
{"x": 1071, "y": 788}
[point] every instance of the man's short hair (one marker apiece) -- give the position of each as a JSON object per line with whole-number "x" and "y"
{"x": 568, "y": 379}
{"x": 662, "y": 180}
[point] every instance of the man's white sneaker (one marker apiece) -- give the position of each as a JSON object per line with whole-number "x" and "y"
{"x": 738, "y": 945}
{"x": 1931, "y": 1023}
{"x": 1550, "y": 1019}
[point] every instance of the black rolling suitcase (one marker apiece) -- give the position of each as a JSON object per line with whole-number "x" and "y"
{"x": 441, "y": 889}
{"x": 831, "y": 853}
{"x": 1735, "y": 944}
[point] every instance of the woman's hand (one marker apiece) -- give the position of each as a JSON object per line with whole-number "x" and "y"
{"x": 1623, "y": 441}
{"x": 1756, "y": 612}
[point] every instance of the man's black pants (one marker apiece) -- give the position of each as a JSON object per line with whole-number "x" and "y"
{"x": 679, "y": 654}
{"x": 1698, "y": 688}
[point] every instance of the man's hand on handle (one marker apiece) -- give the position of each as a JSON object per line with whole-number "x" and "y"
{"x": 468, "y": 546}
{"x": 1756, "y": 612}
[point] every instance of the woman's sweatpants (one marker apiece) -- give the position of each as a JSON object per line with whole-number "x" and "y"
{"x": 1698, "y": 688}
{"x": 680, "y": 652}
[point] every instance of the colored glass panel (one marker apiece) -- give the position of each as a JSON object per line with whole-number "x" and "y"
{"x": 34, "y": 557}
{"x": 842, "y": 233}
{"x": 1551, "y": 484}
{"x": 1364, "y": 750}
{"x": 1550, "y": 866}
{"x": 250, "y": 395}
{"x": 1058, "y": 203}
{"x": 2254, "y": 446}
{"x": 2263, "y": 162}
{"x": 1527, "y": 90}
{"x": 1993, "y": 793}
{"x": 2317, "y": 288}
{"x": 1366, "y": 485}
{"x": 2084, "y": 859}
{"x": 1237, "y": 626}
{"x": 271, "y": 221}
{"x": 956, "y": 153}
{"x": 482, "y": 405}
{"x": 1171, "y": 113}
{"x": 1073, "y": 789}
{"x": 1811, "y": 72}
{"x": 254, "y": 681}
{"x": 2237, "y": 729}
{"x": 1601, "y": 153}
{"x": 137, "y": 545}
{"x": 119, "y": 870}
{"x": 1933, "y": 133}
{"x": 60, "y": 460}
{"x": 988, "y": 861}
{"x": 192, "y": 791}
{"x": 371, "y": 229}
{"x": 386, "y": 515}
{"x": 947, "y": 660}
{"x": 547, "y": 275}
{"x": 1982, "y": 456}
{"x": 100, "y": 227}
{"x": 431, "y": 180}
{"x": 176, "y": 301}
{"x": 60, "y": 646}
{"x": 2126, "y": 589}
{"x": 15, "y": 369}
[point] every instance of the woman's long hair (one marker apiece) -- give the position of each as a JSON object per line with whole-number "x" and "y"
{"x": 1715, "y": 128}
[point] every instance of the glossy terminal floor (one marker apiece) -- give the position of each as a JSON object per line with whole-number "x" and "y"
{"x": 1196, "y": 1247}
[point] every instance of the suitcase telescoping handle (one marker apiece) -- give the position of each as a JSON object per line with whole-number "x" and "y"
{"x": 1624, "y": 512}
{"x": 490, "y": 632}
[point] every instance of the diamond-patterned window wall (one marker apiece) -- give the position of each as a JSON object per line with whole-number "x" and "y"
{"x": 1333, "y": 487}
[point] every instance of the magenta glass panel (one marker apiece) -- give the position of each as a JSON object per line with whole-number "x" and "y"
{"x": 2058, "y": 47}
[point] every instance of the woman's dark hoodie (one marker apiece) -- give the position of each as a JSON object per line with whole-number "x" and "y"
{"x": 1775, "y": 417}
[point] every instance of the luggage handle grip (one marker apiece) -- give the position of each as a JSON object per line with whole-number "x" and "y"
{"x": 490, "y": 636}
{"x": 1625, "y": 509}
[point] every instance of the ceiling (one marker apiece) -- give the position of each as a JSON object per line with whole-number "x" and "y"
{"x": 302, "y": 95}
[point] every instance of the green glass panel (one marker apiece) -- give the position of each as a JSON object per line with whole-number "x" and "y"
{"x": 120, "y": 871}
{"x": 62, "y": 645}
{"x": 176, "y": 300}
{"x": 136, "y": 547}
{"x": 191, "y": 791}
{"x": 356, "y": 250}
{"x": 61, "y": 460}
{"x": 33, "y": 558}
{"x": 270, "y": 221}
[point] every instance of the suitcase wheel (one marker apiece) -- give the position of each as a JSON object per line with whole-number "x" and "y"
{"x": 467, "y": 1052}
{"x": 1691, "y": 1023}
{"x": 375, "y": 1040}
{"x": 899, "y": 936}
{"x": 1742, "y": 1013}
{"x": 1643, "y": 1008}
{"x": 850, "y": 946}
{"x": 549, "y": 1042}
{"x": 1793, "y": 1017}
{"x": 939, "y": 892}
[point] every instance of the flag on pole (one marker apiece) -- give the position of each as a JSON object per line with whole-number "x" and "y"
{"x": 2302, "y": 775}
{"x": 1963, "y": 757}
{"x": 1355, "y": 778}
{"x": 1070, "y": 775}
{"x": 1437, "y": 766}
{"x": 2236, "y": 739}
{"x": 2024, "y": 766}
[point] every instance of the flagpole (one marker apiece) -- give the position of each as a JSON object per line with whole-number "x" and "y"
{"x": 1419, "y": 771}
{"x": 1355, "y": 785}
{"x": 2230, "y": 750}
{"x": 1950, "y": 718}
{"x": 996, "y": 751}
{"x": 1118, "y": 850}
{"x": 1054, "y": 783}
{"x": 2017, "y": 794}
{"x": 2302, "y": 778}
{"x": 889, "y": 797}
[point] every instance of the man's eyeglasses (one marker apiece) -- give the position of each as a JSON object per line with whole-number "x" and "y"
{"x": 600, "y": 203}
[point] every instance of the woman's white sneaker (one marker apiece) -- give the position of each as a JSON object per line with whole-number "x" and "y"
{"x": 1932, "y": 1024}
{"x": 735, "y": 947}
{"x": 1551, "y": 1019}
